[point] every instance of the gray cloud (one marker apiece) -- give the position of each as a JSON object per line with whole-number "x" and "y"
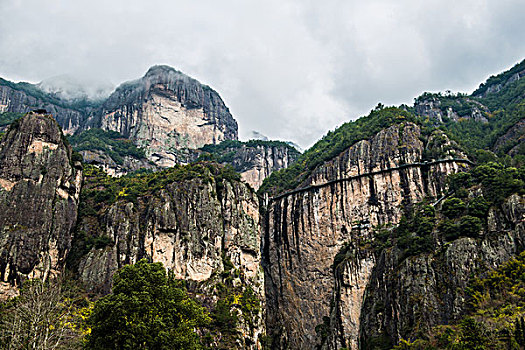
{"x": 288, "y": 69}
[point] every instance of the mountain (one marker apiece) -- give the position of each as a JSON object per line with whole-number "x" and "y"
{"x": 343, "y": 267}
{"x": 154, "y": 122}
{"x": 401, "y": 229}
{"x": 165, "y": 112}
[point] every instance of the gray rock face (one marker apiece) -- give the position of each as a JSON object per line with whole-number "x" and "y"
{"x": 255, "y": 160}
{"x": 430, "y": 289}
{"x": 432, "y": 108}
{"x": 39, "y": 192}
{"x": 366, "y": 186}
{"x": 166, "y": 111}
{"x": 106, "y": 163}
{"x": 257, "y": 163}
{"x": 513, "y": 140}
{"x": 194, "y": 227}
{"x": 495, "y": 88}
{"x": 19, "y": 101}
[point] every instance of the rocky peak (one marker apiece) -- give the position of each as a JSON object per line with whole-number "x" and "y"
{"x": 39, "y": 192}
{"x": 165, "y": 112}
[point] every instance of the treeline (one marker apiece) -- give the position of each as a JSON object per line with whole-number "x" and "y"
{"x": 333, "y": 143}
{"x": 148, "y": 309}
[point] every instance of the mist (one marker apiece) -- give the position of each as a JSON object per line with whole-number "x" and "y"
{"x": 290, "y": 70}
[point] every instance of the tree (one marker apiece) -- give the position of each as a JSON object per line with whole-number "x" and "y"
{"x": 147, "y": 310}
{"x": 42, "y": 317}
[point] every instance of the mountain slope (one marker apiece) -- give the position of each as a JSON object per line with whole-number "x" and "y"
{"x": 165, "y": 112}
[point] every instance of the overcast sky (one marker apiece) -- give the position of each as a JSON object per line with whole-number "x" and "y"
{"x": 289, "y": 69}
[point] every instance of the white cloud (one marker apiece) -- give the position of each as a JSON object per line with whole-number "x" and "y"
{"x": 290, "y": 69}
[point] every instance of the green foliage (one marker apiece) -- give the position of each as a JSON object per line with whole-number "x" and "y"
{"x": 106, "y": 190}
{"x": 237, "y": 303}
{"x": 331, "y": 145}
{"x": 453, "y": 207}
{"x": 100, "y": 190}
{"x": 498, "y": 181}
{"x": 500, "y": 78}
{"x": 146, "y": 310}
{"x": 7, "y": 118}
{"x": 495, "y": 318}
{"x": 458, "y": 102}
{"x": 110, "y": 142}
{"x": 413, "y": 235}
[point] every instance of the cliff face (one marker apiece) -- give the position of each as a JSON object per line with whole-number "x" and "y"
{"x": 205, "y": 230}
{"x": 105, "y": 162}
{"x": 434, "y": 109}
{"x": 257, "y": 163}
{"x": 166, "y": 111}
{"x": 340, "y": 202}
{"x": 39, "y": 192}
{"x": 409, "y": 296}
{"x": 255, "y": 160}
{"x": 19, "y": 101}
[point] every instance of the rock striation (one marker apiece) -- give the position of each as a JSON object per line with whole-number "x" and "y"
{"x": 39, "y": 193}
{"x": 17, "y": 99}
{"x": 255, "y": 160}
{"x": 204, "y": 229}
{"x": 257, "y": 163}
{"x": 165, "y": 112}
{"x": 408, "y": 296}
{"x": 365, "y": 186}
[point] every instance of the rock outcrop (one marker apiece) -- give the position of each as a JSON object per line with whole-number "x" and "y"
{"x": 14, "y": 98}
{"x": 204, "y": 229}
{"x": 257, "y": 163}
{"x": 129, "y": 164}
{"x": 39, "y": 193}
{"x": 165, "y": 112}
{"x": 512, "y": 142}
{"x": 365, "y": 186}
{"x": 255, "y": 160}
{"x": 433, "y": 108}
{"x": 407, "y": 297}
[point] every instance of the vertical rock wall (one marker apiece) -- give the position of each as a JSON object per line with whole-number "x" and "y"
{"x": 39, "y": 192}
{"x": 195, "y": 228}
{"x": 306, "y": 229}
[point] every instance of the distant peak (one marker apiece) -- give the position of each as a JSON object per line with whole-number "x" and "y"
{"x": 160, "y": 70}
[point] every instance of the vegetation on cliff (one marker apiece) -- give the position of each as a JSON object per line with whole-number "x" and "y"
{"x": 110, "y": 142}
{"x": 331, "y": 145}
{"x": 147, "y": 309}
{"x": 100, "y": 190}
{"x": 462, "y": 214}
{"x": 495, "y": 319}
{"x": 229, "y": 150}
{"x": 7, "y": 118}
